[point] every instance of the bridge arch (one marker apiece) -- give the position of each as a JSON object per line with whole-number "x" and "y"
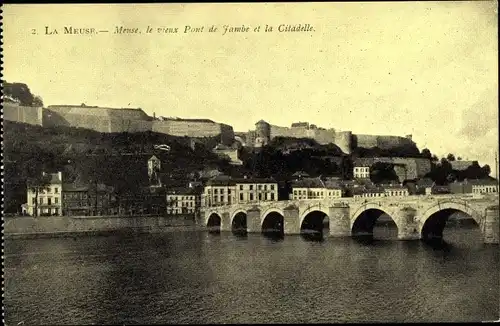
{"x": 312, "y": 220}
{"x": 315, "y": 208}
{"x": 273, "y": 221}
{"x": 269, "y": 211}
{"x": 239, "y": 221}
{"x": 214, "y": 222}
{"x": 362, "y": 221}
{"x": 433, "y": 220}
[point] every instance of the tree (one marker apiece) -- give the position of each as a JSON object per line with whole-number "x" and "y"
{"x": 426, "y": 153}
{"x": 450, "y": 157}
{"x": 37, "y": 101}
{"x": 486, "y": 170}
{"x": 434, "y": 158}
{"x": 459, "y": 158}
{"x": 19, "y": 92}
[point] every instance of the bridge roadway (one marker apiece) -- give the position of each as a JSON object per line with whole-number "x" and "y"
{"x": 416, "y": 217}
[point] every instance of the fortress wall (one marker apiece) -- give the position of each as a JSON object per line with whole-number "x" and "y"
{"x": 227, "y": 134}
{"x": 26, "y": 114}
{"x": 324, "y": 137}
{"x": 159, "y": 126}
{"x": 98, "y": 119}
{"x": 416, "y": 167}
{"x": 343, "y": 140}
{"x": 188, "y": 128}
{"x": 366, "y": 141}
{"x": 129, "y": 125}
{"x": 54, "y": 118}
{"x": 387, "y": 142}
{"x": 277, "y": 131}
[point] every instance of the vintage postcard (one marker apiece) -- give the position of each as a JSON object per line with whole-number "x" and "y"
{"x": 250, "y": 163}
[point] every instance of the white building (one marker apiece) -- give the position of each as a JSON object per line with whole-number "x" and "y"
{"x": 395, "y": 191}
{"x": 315, "y": 188}
{"x": 361, "y": 168}
{"x": 226, "y": 191}
{"x": 183, "y": 201}
{"x": 49, "y": 196}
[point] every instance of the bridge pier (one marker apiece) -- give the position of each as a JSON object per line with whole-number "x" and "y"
{"x": 408, "y": 227}
{"x": 291, "y": 219}
{"x": 491, "y": 225}
{"x": 340, "y": 224}
{"x": 253, "y": 221}
{"x": 225, "y": 223}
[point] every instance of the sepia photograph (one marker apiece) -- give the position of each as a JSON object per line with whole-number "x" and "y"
{"x": 250, "y": 163}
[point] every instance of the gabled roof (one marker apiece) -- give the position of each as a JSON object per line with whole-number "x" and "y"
{"x": 481, "y": 182}
{"x": 363, "y": 162}
{"x": 425, "y": 182}
{"x": 300, "y": 174}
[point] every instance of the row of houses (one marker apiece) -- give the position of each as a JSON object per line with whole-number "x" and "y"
{"x": 59, "y": 198}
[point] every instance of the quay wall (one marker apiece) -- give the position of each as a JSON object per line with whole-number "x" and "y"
{"x": 54, "y": 225}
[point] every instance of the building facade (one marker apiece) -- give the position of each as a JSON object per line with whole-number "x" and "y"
{"x": 227, "y": 191}
{"x": 183, "y": 201}
{"x": 315, "y": 188}
{"x": 481, "y": 186}
{"x": 45, "y": 200}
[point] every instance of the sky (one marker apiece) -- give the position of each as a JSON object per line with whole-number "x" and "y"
{"x": 429, "y": 69}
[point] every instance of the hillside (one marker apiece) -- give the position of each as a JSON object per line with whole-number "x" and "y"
{"x": 118, "y": 159}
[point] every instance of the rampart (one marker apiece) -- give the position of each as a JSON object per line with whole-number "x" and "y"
{"x": 97, "y": 118}
{"x": 196, "y": 128}
{"x": 345, "y": 140}
{"x": 383, "y": 142}
{"x": 26, "y": 114}
{"x": 406, "y": 168}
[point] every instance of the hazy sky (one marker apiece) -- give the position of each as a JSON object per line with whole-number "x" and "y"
{"x": 429, "y": 69}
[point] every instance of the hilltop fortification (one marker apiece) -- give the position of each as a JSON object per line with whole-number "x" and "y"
{"x": 345, "y": 140}
{"x": 111, "y": 120}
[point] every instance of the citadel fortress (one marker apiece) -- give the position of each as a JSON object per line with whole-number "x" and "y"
{"x": 103, "y": 119}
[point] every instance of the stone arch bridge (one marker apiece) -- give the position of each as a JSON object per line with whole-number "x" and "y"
{"x": 416, "y": 217}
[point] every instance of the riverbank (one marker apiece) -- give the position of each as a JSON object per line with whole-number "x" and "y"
{"x": 71, "y": 226}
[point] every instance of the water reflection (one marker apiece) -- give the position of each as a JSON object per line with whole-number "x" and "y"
{"x": 201, "y": 277}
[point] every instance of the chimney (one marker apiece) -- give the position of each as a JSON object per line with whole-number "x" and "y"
{"x": 60, "y": 175}
{"x": 154, "y": 115}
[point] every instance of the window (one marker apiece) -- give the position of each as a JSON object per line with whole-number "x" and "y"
{"x": 272, "y": 196}
{"x": 229, "y": 191}
{"x": 241, "y": 197}
{"x": 215, "y": 191}
{"x": 260, "y": 196}
{"x": 272, "y": 187}
{"x": 265, "y": 187}
{"x": 221, "y": 191}
{"x": 241, "y": 187}
{"x": 251, "y": 187}
{"x": 40, "y": 200}
{"x": 48, "y": 190}
{"x": 56, "y": 200}
{"x": 221, "y": 198}
{"x": 33, "y": 200}
{"x": 56, "y": 190}
{"x": 260, "y": 187}
{"x": 251, "y": 196}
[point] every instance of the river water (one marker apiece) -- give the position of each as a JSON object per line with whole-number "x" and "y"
{"x": 197, "y": 277}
